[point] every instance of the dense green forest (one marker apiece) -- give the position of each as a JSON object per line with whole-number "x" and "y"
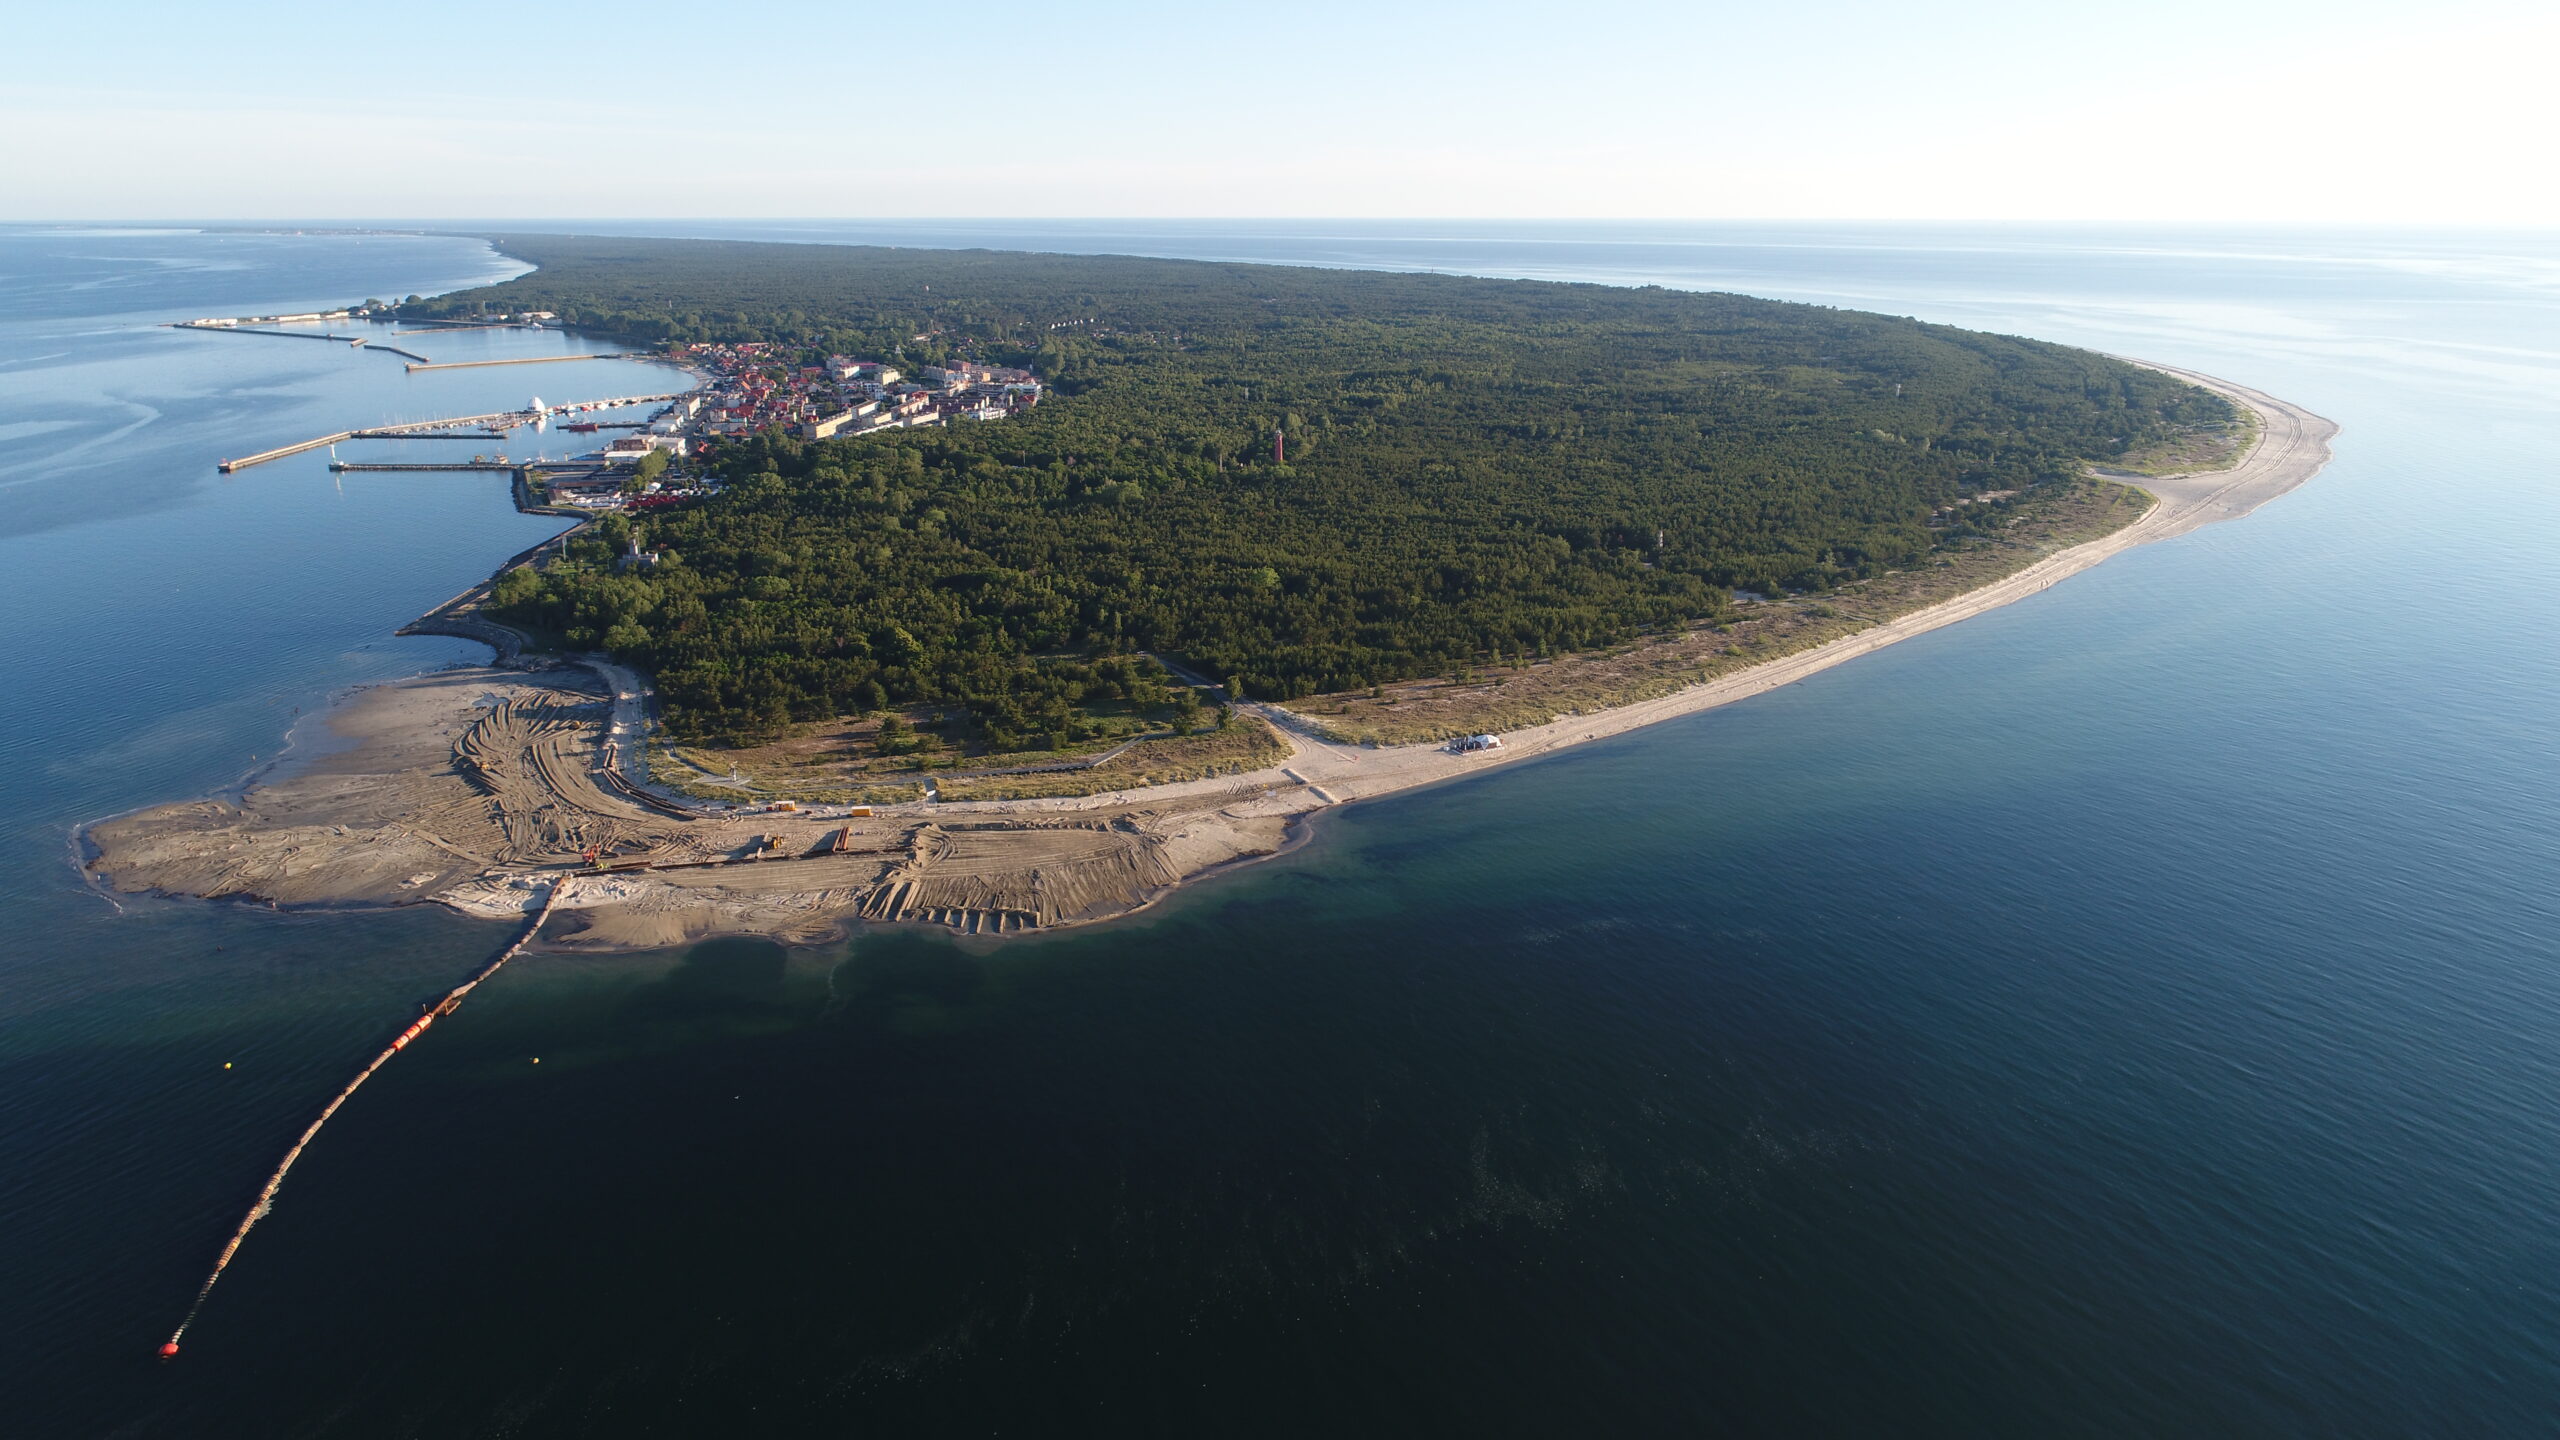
{"x": 1475, "y": 468}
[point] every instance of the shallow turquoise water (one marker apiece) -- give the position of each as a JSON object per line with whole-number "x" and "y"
{"x": 2131, "y": 1012}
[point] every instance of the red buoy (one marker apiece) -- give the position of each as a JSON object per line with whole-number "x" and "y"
{"x": 168, "y": 1349}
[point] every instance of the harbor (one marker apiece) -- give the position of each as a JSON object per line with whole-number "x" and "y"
{"x": 262, "y": 325}
{"x": 353, "y": 342}
{"x": 483, "y": 426}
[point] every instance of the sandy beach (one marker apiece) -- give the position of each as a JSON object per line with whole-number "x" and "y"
{"x": 2292, "y": 446}
{"x": 485, "y": 788}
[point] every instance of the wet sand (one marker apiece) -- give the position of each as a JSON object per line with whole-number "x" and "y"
{"x": 480, "y": 788}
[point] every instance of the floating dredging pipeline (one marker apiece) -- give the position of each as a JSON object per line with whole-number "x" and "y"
{"x": 267, "y": 1193}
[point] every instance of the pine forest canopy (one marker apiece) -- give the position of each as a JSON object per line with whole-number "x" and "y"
{"x": 1474, "y": 468}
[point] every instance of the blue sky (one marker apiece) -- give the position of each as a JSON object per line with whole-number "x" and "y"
{"x": 2247, "y": 110}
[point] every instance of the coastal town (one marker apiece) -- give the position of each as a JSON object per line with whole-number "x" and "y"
{"x": 746, "y": 389}
{"x": 749, "y": 389}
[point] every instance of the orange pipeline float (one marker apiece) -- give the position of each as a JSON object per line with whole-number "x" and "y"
{"x": 266, "y": 1195}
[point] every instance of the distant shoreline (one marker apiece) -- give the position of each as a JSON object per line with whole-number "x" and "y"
{"x": 379, "y": 823}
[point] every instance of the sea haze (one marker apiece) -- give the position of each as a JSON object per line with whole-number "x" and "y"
{"x": 2133, "y": 1012}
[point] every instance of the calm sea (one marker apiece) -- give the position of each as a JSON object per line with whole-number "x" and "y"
{"x": 2133, "y": 1012}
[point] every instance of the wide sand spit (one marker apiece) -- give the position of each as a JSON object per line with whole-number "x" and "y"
{"x": 482, "y": 788}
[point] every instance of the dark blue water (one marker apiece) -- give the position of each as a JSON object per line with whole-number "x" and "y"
{"x": 2132, "y": 1012}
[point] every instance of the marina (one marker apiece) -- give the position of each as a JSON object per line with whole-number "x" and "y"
{"x": 492, "y": 423}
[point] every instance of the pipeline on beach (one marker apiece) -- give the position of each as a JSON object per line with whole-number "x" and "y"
{"x": 266, "y": 1195}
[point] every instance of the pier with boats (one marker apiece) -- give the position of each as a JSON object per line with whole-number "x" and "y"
{"x": 459, "y": 427}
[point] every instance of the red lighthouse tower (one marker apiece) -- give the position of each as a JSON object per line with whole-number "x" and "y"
{"x": 1279, "y": 448}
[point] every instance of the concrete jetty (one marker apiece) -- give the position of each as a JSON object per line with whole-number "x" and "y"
{"x": 535, "y": 360}
{"x": 280, "y": 334}
{"x": 358, "y": 342}
{"x": 506, "y": 465}
{"x": 281, "y": 451}
{"x": 428, "y": 435}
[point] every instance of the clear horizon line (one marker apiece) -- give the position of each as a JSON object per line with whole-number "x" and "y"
{"x": 414, "y": 221}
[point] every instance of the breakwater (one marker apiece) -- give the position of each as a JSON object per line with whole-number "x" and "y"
{"x": 506, "y": 465}
{"x": 534, "y": 360}
{"x": 355, "y": 342}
